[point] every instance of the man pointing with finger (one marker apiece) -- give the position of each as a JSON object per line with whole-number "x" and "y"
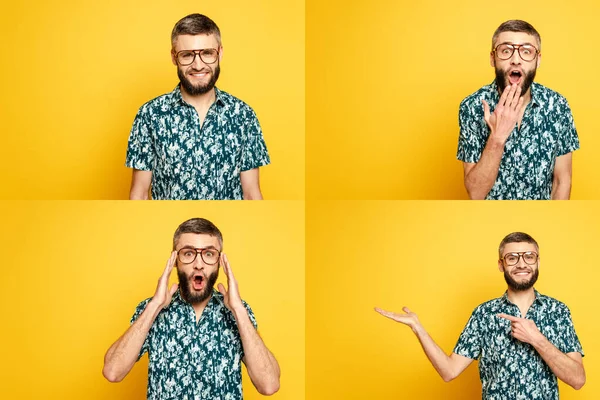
{"x": 516, "y": 136}
{"x": 196, "y": 338}
{"x": 523, "y": 340}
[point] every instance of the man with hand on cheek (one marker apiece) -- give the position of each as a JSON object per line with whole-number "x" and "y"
{"x": 523, "y": 340}
{"x": 516, "y": 136}
{"x": 196, "y": 338}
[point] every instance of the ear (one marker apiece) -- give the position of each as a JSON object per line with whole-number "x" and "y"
{"x": 220, "y": 53}
{"x": 492, "y": 60}
{"x": 500, "y": 266}
{"x": 539, "y": 60}
{"x": 173, "y": 60}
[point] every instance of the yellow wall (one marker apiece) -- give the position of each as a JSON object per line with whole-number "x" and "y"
{"x": 74, "y": 73}
{"x": 385, "y": 79}
{"x": 75, "y": 271}
{"x": 439, "y": 259}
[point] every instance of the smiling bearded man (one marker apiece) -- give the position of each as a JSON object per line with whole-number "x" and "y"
{"x": 516, "y": 136}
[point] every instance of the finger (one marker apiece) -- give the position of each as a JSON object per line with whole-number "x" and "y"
{"x": 516, "y": 96}
{"x": 504, "y": 95}
{"x": 486, "y": 111}
{"x": 508, "y": 317}
{"x": 520, "y": 104}
{"x": 511, "y": 95}
{"x": 170, "y": 262}
{"x": 173, "y": 288}
{"x": 406, "y": 310}
{"x": 221, "y": 289}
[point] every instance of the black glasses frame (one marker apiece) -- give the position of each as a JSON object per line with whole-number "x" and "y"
{"x": 201, "y": 252}
{"x": 521, "y": 255}
{"x": 198, "y": 53}
{"x": 516, "y": 47}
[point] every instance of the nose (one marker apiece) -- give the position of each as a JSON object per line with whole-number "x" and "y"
{"x": 198, "y": 64}
{"x": 516, "y": 58}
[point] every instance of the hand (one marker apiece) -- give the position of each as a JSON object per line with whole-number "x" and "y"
{"x": 231, "y": 296}
{"x": 523, "y": 329}
{"x": 504, "y": 118}
{"x": 163, "y": 295}
{"x": 410, "y": 318}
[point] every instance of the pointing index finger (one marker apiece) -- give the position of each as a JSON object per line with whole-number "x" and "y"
{"x": 508, "y": 317}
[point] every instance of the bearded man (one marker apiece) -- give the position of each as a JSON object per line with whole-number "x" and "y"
{"x": 196, "y": 338}
{"x": 516, "y": 136}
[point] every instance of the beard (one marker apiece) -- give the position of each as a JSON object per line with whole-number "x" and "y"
{"x": 501, "y": 80}
{"x": 199, "y": 89}
{"x": 521, "y": 286}
{"x": 194, "y": 297}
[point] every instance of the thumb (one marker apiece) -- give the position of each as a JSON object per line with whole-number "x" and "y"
{"x": 406, "y": 310}
{"x": 221, "y": 289}
{"x": 486, "y": 111}
{"x": 173, "y": 289}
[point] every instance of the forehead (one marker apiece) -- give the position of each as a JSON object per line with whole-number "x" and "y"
{"x": 516, "y": 38}
{"x": 197, "y": 241}
{"x": 195, "y": 42}
{"x": 518, "y": 247}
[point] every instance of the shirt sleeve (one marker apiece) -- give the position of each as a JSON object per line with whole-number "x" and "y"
{"x": 566, "y": 340}
{"x": 138, "y": 311}
{"x": 469, "y": 342}
{"x": 254, "y": 153}
{"x": 251, "y": 315}
{"x": 568, "y": 140}
{"x": 473, "y": 135}
{"x": 140, "y": 152}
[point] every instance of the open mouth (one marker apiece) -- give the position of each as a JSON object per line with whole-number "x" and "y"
{"x": 515, "y": 77}
{"x": 198, "y": 282}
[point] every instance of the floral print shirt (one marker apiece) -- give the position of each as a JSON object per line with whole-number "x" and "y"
{"x": 547, "y": 131}
{"x": 190, "y": 161}
{"x": 508, "y": 368}
{"x": 193, "y": 361}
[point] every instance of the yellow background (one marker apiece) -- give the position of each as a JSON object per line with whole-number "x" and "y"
{"x": 74, "y": 73}
{"x": 385, "y": 79}
{"x": 75, "y": 271}
{"x": 439, "y": 259}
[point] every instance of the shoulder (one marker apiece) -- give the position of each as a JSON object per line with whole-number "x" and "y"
{"x": 490, "y": 307}
{"x": 552, "y": 305}
{"x": 473, "y": 101}
{"x": 548, "y": 97}
{"x": 158, "y": 104}
{"x": 233, "y": 104}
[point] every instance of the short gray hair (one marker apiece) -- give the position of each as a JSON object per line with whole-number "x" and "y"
{"x": 195, "y": 24}
{"x": 517, "y": 25}
{"x": 516, "y": 237}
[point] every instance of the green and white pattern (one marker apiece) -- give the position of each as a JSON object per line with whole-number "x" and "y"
{"x": 193, "y": 361}
{"x": 527, "y": 166}
{"x": 510, "y": 369}
{"x": 193, "y": 162}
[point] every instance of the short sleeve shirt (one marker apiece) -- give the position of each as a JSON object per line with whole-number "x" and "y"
{"x": 547, "y": 131}
{"x": 189, "y": 360}
{"x": 508, "y": 368}
{"x": 193, "y": 162}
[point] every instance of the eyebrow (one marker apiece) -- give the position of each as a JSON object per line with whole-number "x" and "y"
{"x": 189, "y": 246}
{"x": 518, "y": 44}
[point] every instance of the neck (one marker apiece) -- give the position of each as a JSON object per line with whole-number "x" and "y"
{"x": 521, "y": 298}
{"x": 201, "y": 101}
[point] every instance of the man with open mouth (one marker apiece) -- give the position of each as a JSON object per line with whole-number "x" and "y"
{"x": 196, "y": 337}
{"x": 523, "y": 340}
{"x": 197, "y": 142}
{"x": 516, "y": 136}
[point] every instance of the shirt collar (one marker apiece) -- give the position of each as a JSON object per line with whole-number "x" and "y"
{"x": 537, "y": 297}
{"x": 176, "y": 96}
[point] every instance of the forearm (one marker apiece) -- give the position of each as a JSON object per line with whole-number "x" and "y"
{"x": 565, "y": 368}
{"x": 262, "y": 366}
{"x": 440, "y": 360}
{"x": 561, "y": 188}
{"x": 480, "y": 179}
{"x": 123, "y": 354}
{"x": 252, "y": 194}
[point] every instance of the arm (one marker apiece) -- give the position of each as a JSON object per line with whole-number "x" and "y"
{"x": 448, "y": 367}
{"x": 123, "y": 354}
{"x": 140, "y": 184}
{"x": 567, "y": 367}
{"x": 561, "y": 181}
{"x": 251, "y": 184}
{"x": 262, "y": 366}
{"x": 480, "y": 177}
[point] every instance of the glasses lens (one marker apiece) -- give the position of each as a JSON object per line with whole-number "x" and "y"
{"x": 210, "y": 256}
{"x": 209, "y": 56}
{"x": 527, "y": 53}
{"x": 504, "y": 51}
{"x": 530, "y": 258}
{"x": 511, "y": 258}
{"x": 187, "y": 256}
{"x": 185, "y": 57}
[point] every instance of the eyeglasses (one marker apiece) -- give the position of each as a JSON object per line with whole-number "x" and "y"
{"x": 505, "y": 51}
{"x": 188, "y": 255}
{"x": 529, "y": 257}
{"x": 187, "y": 57}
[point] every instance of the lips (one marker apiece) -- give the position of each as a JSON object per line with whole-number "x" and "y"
{"x": 199, "y": 74}
{"x": 198, "y": 281}
{"x": 515, "y": 76}
{"x": 522, "y": 273}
